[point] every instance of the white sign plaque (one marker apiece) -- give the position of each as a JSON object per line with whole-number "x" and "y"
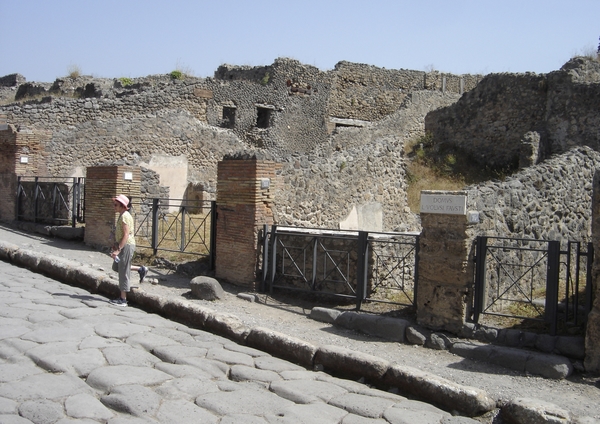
{"x": 448, "y": 204}
{"x": 128, "y": 176}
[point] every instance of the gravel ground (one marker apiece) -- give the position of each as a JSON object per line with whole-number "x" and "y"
{"x": 579, "y": 394}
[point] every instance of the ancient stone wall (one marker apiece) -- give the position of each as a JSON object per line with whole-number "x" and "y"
{"x": 550, "y": 201}
{"x": 489, "y": 123}
{"x": 592, "y": 339}
{"x": 327, "y": 175}
{"x": 370, "y": 93}
{"x": 161, "y": 116}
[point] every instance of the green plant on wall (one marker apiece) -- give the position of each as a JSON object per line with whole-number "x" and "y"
{"x": 125, "y": 81}
{"x": 265, "y": 79}
{"x": 176, "y": 74}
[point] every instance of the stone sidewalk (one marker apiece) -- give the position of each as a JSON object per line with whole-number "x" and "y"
{"x": 66, "y": 354}
{"x": 467, "y": 400}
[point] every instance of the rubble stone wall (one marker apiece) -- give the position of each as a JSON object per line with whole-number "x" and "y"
{"x": 488, "y": 123}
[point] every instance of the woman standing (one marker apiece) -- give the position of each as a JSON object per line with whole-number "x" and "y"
{"x": 124, "y": 248}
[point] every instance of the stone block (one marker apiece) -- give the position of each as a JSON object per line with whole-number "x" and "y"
{"x": 350, "y": 363}
{"x": 324, "y": 314}
{"x": 206, "y": 288}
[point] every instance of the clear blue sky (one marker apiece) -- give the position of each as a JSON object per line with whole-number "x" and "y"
{"x": 45, "y": 39}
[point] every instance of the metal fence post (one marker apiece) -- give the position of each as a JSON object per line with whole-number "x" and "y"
{"x": 552, "y": 276}
{"x": 362, "y": 268}
{"x": 35, "y": 200}
{"x": 588, "y": 278}
{"x": 19, "y": 194}
{"x": 273, "y": 263}
{"x": 213, "y": 234}
{"x": 479, "y": 295}
{"x": 154, "y": 242}
{"x": 265, "y": 258}
{"x": 182, "y": 231}
{"x": 314, "y": 263}
{"x": 75, "y": 193}
{"x": 416, "y": 274}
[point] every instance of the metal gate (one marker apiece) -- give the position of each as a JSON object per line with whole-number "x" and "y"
{"x": 363, "y": 266}
{"x": 50, "y": 200}
{"x": 533, "y": 280}
{"x": 177, "y": 225}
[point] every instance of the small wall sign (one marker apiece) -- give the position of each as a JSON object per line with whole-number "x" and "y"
{"x": 128, "y": 176}
{"x": 24, "y": 159}
{"x": 448, "y": 204}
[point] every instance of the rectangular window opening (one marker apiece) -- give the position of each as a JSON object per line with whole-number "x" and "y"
{"x": 228, "y": 119}
{"x": 263, "y": 117}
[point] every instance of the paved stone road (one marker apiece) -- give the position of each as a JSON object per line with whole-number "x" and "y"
{"x": 69, "y": 356}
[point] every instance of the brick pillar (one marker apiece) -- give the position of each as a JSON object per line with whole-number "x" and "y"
{"x": 102, "y": 183}
{"x": 592, "y": 333}
{"x": 21, "y": 156}
{"x": 245, "y": 188}
{"x": 445, "y": 261}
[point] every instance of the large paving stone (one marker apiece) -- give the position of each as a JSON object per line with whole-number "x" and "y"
{"x": 106, "y": 378}
{"x": 84, "y": 406}
{"x": 119, "y": 330}
{"x": 17, "y": 371}
{"x": 214, "y": 368}
{"x": 256, "y": 402}
{"x": 306, "y": 391}
{"x": 275, "y": 364}
{"x": 59, "y": 332}
{"x": 319, "y": 413}
{"x": 133, "y": 399}
{"x": 246, "y": 373}
{"x": 127, "y": 355}
{"x": 178, "y": 370}
{"x": 79, "y": 363}
{"x": 181, "y": 411}
{"x": 186, "y": 388}
{"x": 41, "y": 411}
{"x": 175, "y": 353}
{"x": 366, "y": 406}
{"x": 229, "y": 357}
{"x": 44, "y": 386}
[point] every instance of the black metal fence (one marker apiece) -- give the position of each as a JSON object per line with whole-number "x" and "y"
{"x": 51, "y": 200}
{"x": 360, "y": 265}
{"x": 533, "y": 280}
{"x": 181, "y": 226}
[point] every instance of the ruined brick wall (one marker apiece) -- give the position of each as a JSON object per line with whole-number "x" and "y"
{"x": 244, "y": 205}
{"x": 102, "y": 184}
{"x": 22, "y": 155}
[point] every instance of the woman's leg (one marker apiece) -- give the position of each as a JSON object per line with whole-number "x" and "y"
{"x": 126, "y": 256}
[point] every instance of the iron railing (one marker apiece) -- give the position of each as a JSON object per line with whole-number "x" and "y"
{"x": 360, "y": 265}
{"x": 176, "y": 225}
{"x": 521, "y": 278}
{"x": 50, "y": 200}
